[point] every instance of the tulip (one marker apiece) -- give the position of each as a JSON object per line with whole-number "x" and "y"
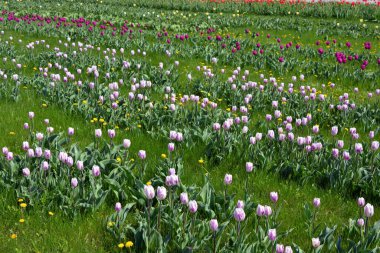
{"x": 126, "y": 143}
{"x": 368, "y": 210}
{"x": 184, "y": 198}
{"x": 74, "y": 182}
{"x": 280, "y": 248}
{"x": 98, "y": 133}
{"x": 334, "y": 130}
{"x": 361, "y": 202}
{"x": 193, "y": 206}
{"x": 375, "y": 145}
{"x": 360, "y": 222}
{"x": 228, "y": 179}
{"x": 239, "y": 214}
{"x": 95, "y": 171}
{"x": 171, "y": 147}
{"x": 45, "y": 165}
{"x": 111, "y": 133}
{"x": 248, "y": 167}
{"x": 315, "y": 242}
{"x": 70, "y": 131}
{"x": 142, "y": 154}
{"x": 214, "y": 225}
{"x": 80, "y": 165}
{"x": 288, "y": 249}
{"x": 317, "y": 202}
{"x": 272, "y": 234}
{"x": 26, "y": 172}
{"x": 149, "y": 192}
{"x": 274, "y": 197}
{"x": 161, "y": 193}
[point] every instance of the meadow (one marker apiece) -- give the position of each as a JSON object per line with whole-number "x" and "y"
{"x": 189, "y": 126}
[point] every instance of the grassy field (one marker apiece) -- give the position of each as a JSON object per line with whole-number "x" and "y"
{"x": 41, "y": 231}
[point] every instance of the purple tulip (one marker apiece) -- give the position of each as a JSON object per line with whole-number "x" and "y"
{"x": 149, "y": 191}
{"x": 375, "y": 145}
{"x": 193, "y": 206}
{"x": 260, "y": 210}
{"x": 360, "y": 222}
{"x": 358, "y": 148}
{"x": 45, "y": 165}
{"x": 70, "y": 131}
{"x": 272, "y": 234}
{"x": 214, "y": 225}
{"x": 184, "y": 198}
{"x": 274, "y": 197}
{"x": 95, "y": 171}
{"x": 80, "y": 165}
{"x": 280, "y": 248}
{"x": 126, "y": 143}
{"x": 315, "y": 242}
{"x": 240, "y": 204}
{"x": 74, "y": 182}
{"x": 361, "y": 202}
{"x": 369, "y": 210}
{"x": 98, "y": 133}
{"x": 142, "y": 154}
{"x": 26, "y": 172}
{"x": 334, "y": 130}
{"x": 228, "y": 179}
{"x": 239, "y": 214}
{"x": 171, "y": 147}
{"x": 111, "y": 133}
{"x": 316, "y": 202}
{"x": 161, "y": 193}
{"x": 118, "y": 207}
{"x": 248, "y": 167}
{"x": 346, "y": 155}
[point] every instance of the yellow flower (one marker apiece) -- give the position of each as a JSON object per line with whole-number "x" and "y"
{"x": 149, "y": 183}
{"x": 51, "y": 213}
{"x": 118, "y": 160}
{"x": 12, "y": 133}
{"x": 20, "y": 200}
{"x": 101, "y": 120}
{"x": 132, "y": 160}
{"x": 84, "y": 102}
{"x": 23, "y": 205}
{"x": 110, "y": 224}
{"x": 95, "y": 119}
{"x": 163, "y": 156}
{"x": 21, "y": 220}
{"x": 13, "y": 236}
{"x": 139, "y": 126}
{"x": 121, "y": 245}
{"x": 201, "y": 161}
{"x": 129, "y": 244}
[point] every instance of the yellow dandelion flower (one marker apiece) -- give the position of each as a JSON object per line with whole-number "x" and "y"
{"x": 20, "y": 200}
{"x": 200, "y": 161}
{"x": 121, "y": 245}
{"x": 21, "y": 220}
{"x": 129, "y": 244}
{"x": 149, "y": 183}
{"x": 163, "y": 156}
{"x": 118, "y": 160}
{"x": 13, "y": 236}
{"x": 51, "y": 213}
{"x": 23, "y": 205}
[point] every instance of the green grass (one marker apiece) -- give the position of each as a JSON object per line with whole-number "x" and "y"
{"x": 44, "y": 233}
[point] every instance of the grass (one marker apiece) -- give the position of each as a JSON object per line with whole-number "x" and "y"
{"x": 44, "y": 233}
